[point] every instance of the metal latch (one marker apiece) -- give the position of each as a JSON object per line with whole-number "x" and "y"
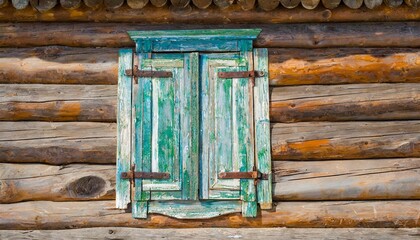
{"x": 242, "y": 74}
{"x": 136, "y": 73}
{"x": 146, "y": 175}
{"x": 256, "y": 175}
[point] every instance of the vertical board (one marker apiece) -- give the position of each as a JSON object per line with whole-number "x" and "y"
{"x": 124, "y": 128}
{"x": 245, "y": 130}
{"x": 262, "y": 128}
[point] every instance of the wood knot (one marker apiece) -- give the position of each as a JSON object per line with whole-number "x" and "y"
{"x": 86, "y": 187}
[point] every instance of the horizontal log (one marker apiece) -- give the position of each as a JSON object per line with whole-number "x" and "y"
{"x": 58, "y": 102}
{"x": 343, "y": 65}
{"x": 88, "y": 142}
{"x": 345, "y": 140}
{"x": 381, "y": 179}
{"x": 368, "y": 179}
{"x": 29, "y": 102}
{"x": 58, "y": 143}
{"x": 67, "y": 65}
{"x": 31, "y": 182}
{"x": 214, "y": 233}
{"x": 345, "y": 102}
{"x": 308, "y": 35}
{"x": 211, "y": 15}
{"x": 64, "y": 215}
{"x": 59, "y": 65}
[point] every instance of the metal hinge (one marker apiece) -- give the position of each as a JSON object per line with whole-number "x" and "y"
{"x": 145, "y": 175}
{"x": 136, "y": 73}
{"x": 242, "y": 74}
{"x": 256, "y": 175}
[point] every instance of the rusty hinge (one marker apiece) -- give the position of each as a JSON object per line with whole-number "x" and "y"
{"x": 146, "y": 175}
{"x": 243, "y": 74}
{"x": 256, "y": 175}
{"x": 136, "y": 73}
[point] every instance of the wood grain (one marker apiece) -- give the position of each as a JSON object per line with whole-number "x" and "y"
{"x": 39, "y": 102}
{"x": 211, "y": 15}
{"x": 348, "y": 102}
{"x": 59, "y": 65}
{"x": 57, "y": 143}
{"x": 32, "y": 182}
{"x": 68, "y": 65}
{"x": 215, "y": 233}
{"x": 366, "y": 179}
{"x": 56, "y": 215}
{"x": 345, "y": 140}
{"x": 308, "y": 35}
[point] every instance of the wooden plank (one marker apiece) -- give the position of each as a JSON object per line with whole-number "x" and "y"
{"x": 338, "y": 66}
{"x": 124, "y": 128}
{"x": 396, "y": 178}
{"x": 286, "y": 66}
{"x": 32, "y": 182}
{"x": 212, "y": 15}
{"x": 345, "y": 102}
{"x": 216, "y": 233}
{"x": 366, "y": 179}
{"x": 60, "y": 143}
{"x": 57, "y": 143}
{"x": 41, "y": 102}
{"x": 308, "y": 35}
{"x": 56, "y": 215}
{"x": 59, "y": 65}
{"x": 345, "y": 140}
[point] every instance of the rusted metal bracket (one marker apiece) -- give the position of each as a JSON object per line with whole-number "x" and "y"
{"x": 256, "y": 175}
{"x": 136, "y": 73}
{"x": 242, "y": 74}
{"x": 145, "y": 175}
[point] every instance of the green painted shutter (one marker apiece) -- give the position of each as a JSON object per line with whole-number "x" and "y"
{"x": 165, "y": 129}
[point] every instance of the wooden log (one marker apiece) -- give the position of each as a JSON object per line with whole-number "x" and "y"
{"x": 367, "y": 179}
{"x": 331, "y": 4}
{"x": 19, "y": 4}
{"x": 223, "y": 3}
{"x": 59, "y": 65}
{"x": 137, "y": 4}
{"x": 70, "y": 4}
{"x": 396, "y": 178}
{"x": 346, "y": 140}
{"x": 286, "y": 66}
{"x": 180, "y": 3}
{"x": 247, "y": 4}
{"x": 94, "y": 4}
{"x": 354, "y": 4}
{"x": 43, "y": 5}
{"x": 268, "y": 5}
{"x": 64, "y": 215}
{"x": 3, "y": 3}
{"x": 39, "y": 102}
{"x": 338, "y": 66}
{"x": 61, "y": 143}
{"x": 371, "y": 4}
{"x": 212, "y": 15}
{"x": 310, "y": 4}
{"x": 345, "y": 102}
{"x": 393, "y": 3}
{"x": 202, "y": 4}
{"x": 214, "y": 233}
{"x": 57, "y": 143}
{"x": 113, "y": 4}
{"x": 28, "y": 182}
{"x": 413, "y": 3}
{"x": 290, "y": 3}
{"x": 308, "y": 35}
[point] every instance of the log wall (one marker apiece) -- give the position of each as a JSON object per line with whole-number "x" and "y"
{"x": 344, "y": 110}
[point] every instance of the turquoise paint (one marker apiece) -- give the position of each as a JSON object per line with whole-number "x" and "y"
{"x": 172, "y": 133}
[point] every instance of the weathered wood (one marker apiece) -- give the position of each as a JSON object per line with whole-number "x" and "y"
{"x": 346, "y": 140}
{"x": 212, "y": 15}
{"x": 397, "y": 178}
{"x": 113, "y": 4}
{"x": 247, "y": 4}
{"x": 70, "y": 4}
{"x": 331, "y": 4}
{"x": 55, "y": 215}
{"x": 216, "y": 233}
{"x": 28, "y": 182}
{"x": 180, "y": 3}
{"x": 393, "y": 3}
{"x": 202, "y": 4}
{"x": 223, "y": 3}
{"x": 137, "y": 4}
{"x": 308, "y": 35}
{"x": 268, "y": 5}
{"x": 354, "y": 4}
{"x": 290, "y": 3}
{"x": 41, "y": 102}
{"x": 367, "y": 179}
{"x": 59, "y": 65}
{"x": 94, "y": 4}
{"x": 57, "y": 143}
{"x": 3, "y": 3}
{"x": 337, "y": 66}
{"x": 310, "y": 4}
{"x": 345, "y": 102}
{"x": 43, "y": 5}
{"x": 19, "y": 4}
{"x": 412, "y": 3}
{"x": 371, "y": 4}
{"x": 287, "y": 66}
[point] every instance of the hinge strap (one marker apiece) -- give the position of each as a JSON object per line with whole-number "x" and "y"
{"x": 244, "y": 175}
{"x": 241, "y": 74}
{"x": 136, "y": 73}
{"x": 145, "y": 175}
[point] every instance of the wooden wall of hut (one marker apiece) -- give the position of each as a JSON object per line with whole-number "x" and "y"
{"x": 345, "y": 113}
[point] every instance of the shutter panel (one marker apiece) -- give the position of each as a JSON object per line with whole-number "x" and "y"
{"x": 165, "y": 139}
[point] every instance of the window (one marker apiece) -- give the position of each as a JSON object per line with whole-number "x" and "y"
{"x": 193, "y": 125}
